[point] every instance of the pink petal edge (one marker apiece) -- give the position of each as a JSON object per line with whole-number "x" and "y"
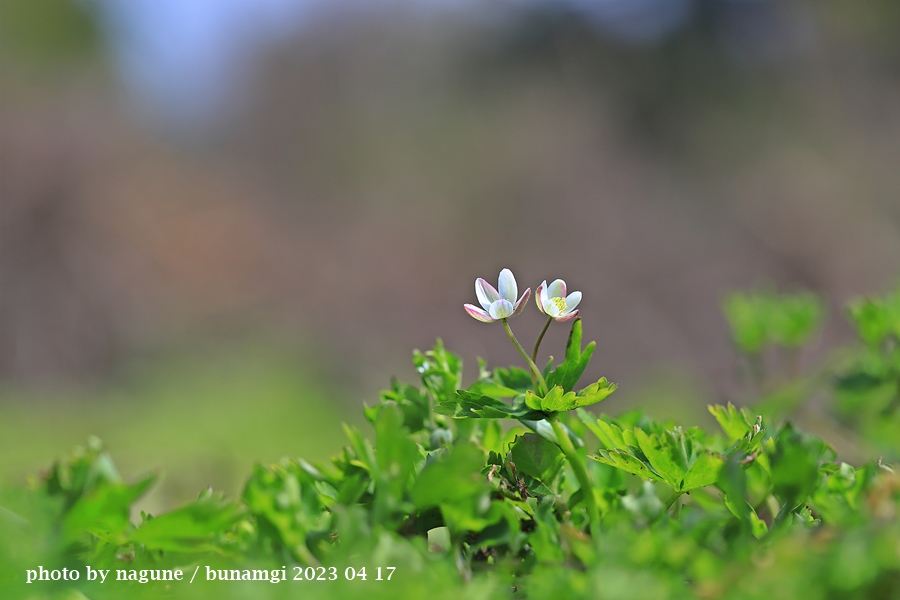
{"x": 520, "y": 305}
{"x": 562, "y": 286}
{"x": 486, "y": 293}
{"x": 501, "y": 309}
{"x": 568, "y": 317}
{"x": 559, "y": 288}
{"x": 477, "y": 313}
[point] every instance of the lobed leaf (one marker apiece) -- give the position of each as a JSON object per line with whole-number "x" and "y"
{"x": 557, "y": 400}
{"x": 193, "y": 528}
{"x": 569, "y": 372}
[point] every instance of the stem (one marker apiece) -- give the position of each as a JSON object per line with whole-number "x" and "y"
{"x": 536, "y": 376}
{"x": 581, "y": 474}
{"x": 306, "y": 555}
{"x": 672, "y": 499}
{"x": 537, "y": 344}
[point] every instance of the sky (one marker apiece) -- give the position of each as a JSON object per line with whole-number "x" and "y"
{"x": 188, "y": 63}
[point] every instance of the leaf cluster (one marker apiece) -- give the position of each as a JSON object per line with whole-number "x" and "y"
{"x": 470, "y": 492}
{"x": 762, "y": 318}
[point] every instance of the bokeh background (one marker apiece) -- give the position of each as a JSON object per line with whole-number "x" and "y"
{"x": 226, "y": 223}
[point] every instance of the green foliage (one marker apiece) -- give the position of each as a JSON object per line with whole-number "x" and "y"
{"x": 558, "y": 401}
{"x": 464, "y": 505}
{"x": 866, "y": 387}
{"x": 47, "y": 32}
{"x": 484, "y": 398}
{"x": 795, "y": 460}
{"x": 202, "y": 526}
{"x": 762, "y": 318}
{"x": 569, "y": 372}
{"x": 537, "y": 457}
{"x": 467, "y": 404}
{"x": 876, "y": 319}
{"x": 683, "y": 460}
{"x": 453, "y": 484}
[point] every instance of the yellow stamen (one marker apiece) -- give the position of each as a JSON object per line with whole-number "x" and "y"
{"x": 560, "y": 304}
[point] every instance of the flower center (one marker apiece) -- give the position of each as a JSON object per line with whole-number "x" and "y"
{"x": 560, "y": 303}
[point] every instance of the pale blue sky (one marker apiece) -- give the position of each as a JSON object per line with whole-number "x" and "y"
{"x": 186, "y": 62}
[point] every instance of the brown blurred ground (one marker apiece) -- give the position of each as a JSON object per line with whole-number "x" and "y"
{"x": 374, "y": 174}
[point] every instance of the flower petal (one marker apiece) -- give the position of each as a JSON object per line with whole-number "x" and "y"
{"x": 501, "y": 309}
{"x": 486, "y": 293}
{"x": 539, "y": 294}
{"x": 520, "y": 305}
{"x": 567, "y": 316}
{"x": 572, "y": 300}
{"x": 507, "y": 286}
{"x": 552, "y": 309}
{"x": 557, "y": 289}
{"x": 477, "y": 313}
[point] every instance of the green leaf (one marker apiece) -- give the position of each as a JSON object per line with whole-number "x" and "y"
{"x": 795, "y": 465}
{"x": 492, "y": 389}
{"x": 760, "y": 318}
{"x": 746, "y": 316}
{"x": 352, "y": 488}
{"x": 758, "y": 527}
{"x": 470, "y": 405}
{"x": 734, "y": 422}
{"x": 454, "y": 483}
{"x": 440, "y": 369}
{"x": 596, "y": 392}
{"x": 732, "y": 480}
{"x": 703, "y": 471}
{"x": 193, "y": 528}
{"x": 365, "y": 454}
{"x": 612, "y": 435}
{"x": 672, "y": 456}
{"x": 537, "y": 457}
{"x": 876, "y": 318}
{"x": 838, "y": 496}
{"x": 569, "y": 372}
{"x": 396, "y": 457}
{"x": 450, "y": 478}
{"x": 87, "y": 469}
{"x": 286, "y": 505}
{"x": 104, "y": 511}
{"x": 412, "y": 401}
{"x": 514, "y": 378}
{"x": 795, "y": 318}
{"x": 624, "y": 460}
{"x": 556, "y": 400}
{"x": 664, "y": 455}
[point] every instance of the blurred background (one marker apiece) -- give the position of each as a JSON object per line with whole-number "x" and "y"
{"x": 226, "y": 223}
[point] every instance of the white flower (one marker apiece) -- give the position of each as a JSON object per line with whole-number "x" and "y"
{"x": 497, "y": 304}
{"x": 552, "y": 300}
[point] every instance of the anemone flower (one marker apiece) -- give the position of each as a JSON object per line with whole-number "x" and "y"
{"x": 552, "y": 300}
{"x": 496, "y": 304}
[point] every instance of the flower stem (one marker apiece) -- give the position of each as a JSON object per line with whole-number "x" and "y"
{"x": 537, "y": 344}
{"x": 581, "y": 474}
{"x": 536, "y": 376}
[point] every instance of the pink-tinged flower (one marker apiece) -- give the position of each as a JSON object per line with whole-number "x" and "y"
{"x": 496, "y": 304}
{"x": 552, "y": 300}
